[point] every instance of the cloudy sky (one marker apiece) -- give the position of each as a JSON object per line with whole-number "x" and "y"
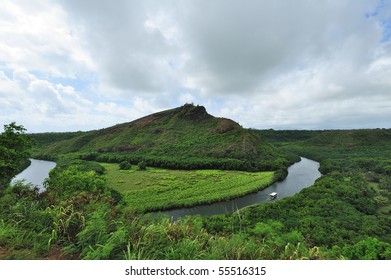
{"x": 68, "y": 65}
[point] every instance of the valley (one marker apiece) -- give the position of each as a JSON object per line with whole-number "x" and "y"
{"x": 97, "y": 198}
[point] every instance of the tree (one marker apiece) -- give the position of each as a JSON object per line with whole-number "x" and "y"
{"x": 14, "y": 149}
{"x": 368, "y": 249}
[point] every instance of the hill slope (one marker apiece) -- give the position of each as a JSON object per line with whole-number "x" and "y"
{"x": 361, "y": 149}
{"x": 184, "y": 137}
{"x": 355, "y": 142}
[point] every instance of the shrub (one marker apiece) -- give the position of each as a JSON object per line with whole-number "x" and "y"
{"x": 142, "y": 165}
{"x": 125, "y": 165}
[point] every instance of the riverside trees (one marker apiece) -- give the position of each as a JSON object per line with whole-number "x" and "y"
{"x": 14, "y": 150}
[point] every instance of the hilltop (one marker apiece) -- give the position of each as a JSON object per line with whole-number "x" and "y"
{"x": 187, "y": 137}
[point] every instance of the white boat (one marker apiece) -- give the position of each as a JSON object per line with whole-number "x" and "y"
{"x": 273, "y": 195}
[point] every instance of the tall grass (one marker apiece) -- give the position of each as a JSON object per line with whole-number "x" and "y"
{"x": 158, "y": 189}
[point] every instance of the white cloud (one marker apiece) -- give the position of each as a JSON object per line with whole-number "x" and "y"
{"x": 36, "y": 35}
{"x": 44, "y": 106}
{"x": 238, "y": 47}
{"x": 263, "y": 63}
{"x": 186, "y": 98}
{"x": 132, "y": 45}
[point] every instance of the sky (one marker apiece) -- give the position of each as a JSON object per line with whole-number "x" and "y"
{"x": 68, "y": 65}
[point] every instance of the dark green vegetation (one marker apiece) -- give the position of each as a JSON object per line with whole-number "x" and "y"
{"x": 14, "y": 152}
{"x": 182, "y": 138}
{"x": 338, "y": 150}
{"x": 344, "y": 215}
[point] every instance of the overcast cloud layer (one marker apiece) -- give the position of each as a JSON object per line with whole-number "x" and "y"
{"x": 79, "y": 65}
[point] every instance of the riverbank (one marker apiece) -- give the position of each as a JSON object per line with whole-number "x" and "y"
{"x": 24, "y": 165}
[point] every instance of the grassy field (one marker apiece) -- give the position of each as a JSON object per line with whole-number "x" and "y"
{"x": 158, "y": 189}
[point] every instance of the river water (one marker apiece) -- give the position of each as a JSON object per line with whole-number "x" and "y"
{"x": 300, "y": 175}
{"x": 36, "y": 173}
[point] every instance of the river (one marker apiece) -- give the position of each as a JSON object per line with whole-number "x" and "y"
{"x": 36, "y": 173}
{"x": 300, "y": 175}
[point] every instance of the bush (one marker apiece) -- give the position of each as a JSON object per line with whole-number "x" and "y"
{"x": 125, "y": 165}
{"x": 142, "y": 165}
{"x": 64, "y": 183}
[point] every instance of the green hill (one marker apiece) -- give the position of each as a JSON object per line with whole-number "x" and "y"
{"x": 362, "y": 149}
{"x": 186, "y": 137}
{"x": 355, "y": 142}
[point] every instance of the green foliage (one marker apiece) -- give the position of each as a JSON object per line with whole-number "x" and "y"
{"x": 368, "y": 249}
{"x": 24, "y": 222}
{"x": 125, "y": 165}
{"x": 338, "y": 150}
{"x": 64, "y": 183}
{"x": 14, "y": 150}
{"x": 100, "y": 239}
{"x": 68, "y": 222}
{"x": 44, "y": 139}
{"x": 332, "y": 212}
{"x": 311, "y": 225}
{"x": 142, "y": 165}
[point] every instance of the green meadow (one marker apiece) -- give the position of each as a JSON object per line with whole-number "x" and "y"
{"x": 158, "y": 189}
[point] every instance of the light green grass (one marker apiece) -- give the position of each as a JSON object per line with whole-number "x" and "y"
{"x": 158, "y": 189}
